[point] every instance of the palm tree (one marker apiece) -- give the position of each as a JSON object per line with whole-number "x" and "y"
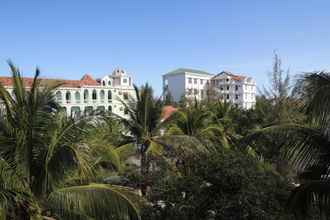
{"x": 223, "y": 116}
{"x": 143, "y": 123}
{"x": 190, "y": 120}
{"x": 206, "y": 123}
{"x": 308, "y": 146}
{"x": 15, "y": 200}
{"x": 45, "y": 147}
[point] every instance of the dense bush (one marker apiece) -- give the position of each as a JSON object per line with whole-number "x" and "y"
{"x": 229, "y": 186}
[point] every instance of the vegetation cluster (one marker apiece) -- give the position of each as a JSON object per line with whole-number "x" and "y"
{"x": 206, "y": 160}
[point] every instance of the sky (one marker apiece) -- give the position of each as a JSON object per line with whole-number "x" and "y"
{"x": 147, "y": 38}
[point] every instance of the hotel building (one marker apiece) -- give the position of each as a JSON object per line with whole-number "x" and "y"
{"x": 196, "y": 84}
{"x": 88, "y": 95}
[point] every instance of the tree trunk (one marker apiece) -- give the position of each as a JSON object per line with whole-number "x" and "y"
{"x": 144, "y": 173}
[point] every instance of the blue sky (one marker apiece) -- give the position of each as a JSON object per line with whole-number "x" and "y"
{"x": 67, "y": 38}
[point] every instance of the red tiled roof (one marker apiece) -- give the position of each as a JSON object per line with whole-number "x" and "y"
{"x": 233, "y": 76}
{"x": 86, "y": 80}
{"x": 167, "y": 111}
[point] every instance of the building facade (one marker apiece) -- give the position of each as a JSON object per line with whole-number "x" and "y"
{"x": 88, "y": 95}
{"x": 186, "y": 82}
{"x": 195, "y": 84}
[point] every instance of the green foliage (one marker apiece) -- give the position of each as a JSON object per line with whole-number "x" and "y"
{"x": 228, "y": 185}
{"x": 209, "y": 160}
{"x": 306, "y": 145}
{"x": 96, "y": 201}
{"x": 39, "y": 148}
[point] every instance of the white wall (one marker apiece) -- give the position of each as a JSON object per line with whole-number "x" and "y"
{"x": 176, "y": 85}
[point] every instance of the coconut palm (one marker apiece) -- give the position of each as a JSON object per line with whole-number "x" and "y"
{"x": 308, "y": 146}
{"x": 15, "y": 201}
{"x": 223, "y": 116}
{"x": 199, "y": 121}
{"x": 143, "y": 123}
{"x": 43, "y": 147}
{"x": 190, "y": 120}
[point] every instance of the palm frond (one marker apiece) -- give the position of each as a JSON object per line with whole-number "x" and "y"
{"x": 97, "y": 201}
{"x": 301, "y": 144}
{"x": 315, "y": 91}
{"x": 309, "y": 196}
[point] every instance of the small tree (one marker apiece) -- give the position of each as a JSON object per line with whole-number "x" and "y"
{"x": 279, "y": 81}
{"x": 168, "y": 98}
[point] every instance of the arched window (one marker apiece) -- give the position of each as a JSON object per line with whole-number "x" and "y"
{"x": 86, "y": 96}
{"x": 77, "y": 97}
{"x": 125, "y": 94}
{"x": 103, "y": 83}
{"x": 58, "y": 96}
{"x": 68, "y": 97}
{"x": 89, "y": 110}
{"x": 109, "y": 95}
{"x": 110, "y": 108}
{"x": 100, "y": 109}
{"x": 102, "y": 95}
{"x": 109, "y": 83}
{"x": 75, "y": 111}
{"x": 94, "y": 95}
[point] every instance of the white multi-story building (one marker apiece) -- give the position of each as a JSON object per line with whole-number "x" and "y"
{"x": 88, "y": 95}
{"x": 239, "y": 90}
{"x": 196, "y": 84}
{"x": 186, "y": 82}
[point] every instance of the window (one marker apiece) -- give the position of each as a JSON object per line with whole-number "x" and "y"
{"x": 236, "y": 87}
{"x": 86, "y": 96}
{"x": 221, "y": 88}
{"x": 227, "y": 80}
{"x": 236, "y": 96}
{"x": 195, "y": 81}
{"x": 109, "y": 83}
{"x": 75, "y": 111}
{"x": 125, "y": 96}
{"x": 125, "y": 80}
{"x": 189, "y": 91}
{"x": 59, "y": 96}
{"x": 94, "y": 95}
{"x": 77, "y": 97}
{"x": 195, "y": 92}
{"x": 227, "y": 87}
{"x": 89, "y": 110}
{"x": 110, "y": 108}
{"x": 102, "y": 95}
{"x": 68, "y": 97}
{"x": 100, "y": 109}
{"x": 189, "y": 80}
{"x": 103, "y": 83}
{"x": 227, "y": 96}
{"x": 109, "y": 95}
{"x": 202, "y": 81}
